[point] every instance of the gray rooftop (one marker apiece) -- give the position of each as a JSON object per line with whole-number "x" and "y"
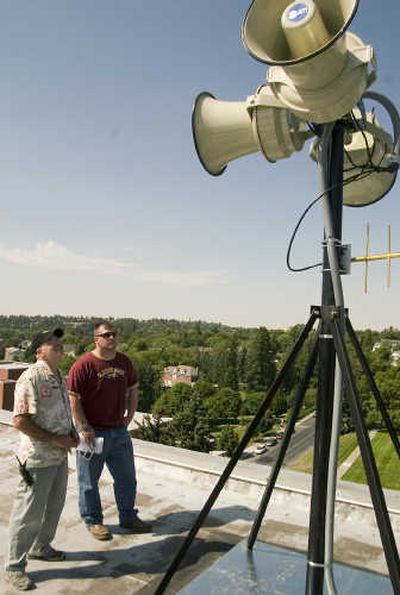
{"x": 173, "y": 485}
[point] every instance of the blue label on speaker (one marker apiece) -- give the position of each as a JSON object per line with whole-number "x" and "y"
{"x": 298, "y": 12}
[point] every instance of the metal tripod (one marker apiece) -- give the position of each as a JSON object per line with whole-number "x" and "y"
{"x": 334, "y": 372}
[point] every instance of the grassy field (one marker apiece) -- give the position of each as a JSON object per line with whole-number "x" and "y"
{"x": 386, "y": 458}
{"x": 304, "y": 463}
{"x": 387, "y": 461}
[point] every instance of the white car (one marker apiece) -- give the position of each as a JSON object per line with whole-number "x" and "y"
{"x": 260, "y": 449}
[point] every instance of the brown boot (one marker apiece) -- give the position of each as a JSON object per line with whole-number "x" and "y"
{"x": 100, "y": 532}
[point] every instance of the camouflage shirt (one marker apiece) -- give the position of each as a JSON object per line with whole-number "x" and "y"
{"x": 44, "y": 396}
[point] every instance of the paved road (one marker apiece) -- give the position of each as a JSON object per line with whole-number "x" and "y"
{"x": 301, "y": 440}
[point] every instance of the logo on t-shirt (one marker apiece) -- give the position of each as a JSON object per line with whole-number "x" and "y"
{"x": 45, "y": 390}
{"x": 111, "y": 373}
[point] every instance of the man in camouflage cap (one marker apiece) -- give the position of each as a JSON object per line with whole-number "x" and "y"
{"x": 42, "y": 415}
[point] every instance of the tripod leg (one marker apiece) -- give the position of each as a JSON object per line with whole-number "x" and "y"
{"x": 284, "y": 446}
{"x": 236, "y": 455}
{"x": 373, "y": 388}
{"x": 375, "y": 487}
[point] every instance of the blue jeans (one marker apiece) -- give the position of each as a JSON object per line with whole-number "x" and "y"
{"x": 118, "y": 456}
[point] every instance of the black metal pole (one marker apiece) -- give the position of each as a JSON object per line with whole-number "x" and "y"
{"x": 236, "y": 455}
{"x": 333, "y": 179}
{"x": 299, "y": 398}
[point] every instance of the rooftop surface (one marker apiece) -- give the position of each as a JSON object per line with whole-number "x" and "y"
{"x": 173, "y": 485}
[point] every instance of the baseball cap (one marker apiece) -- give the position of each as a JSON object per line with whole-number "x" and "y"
{"x": 44, "y": 337}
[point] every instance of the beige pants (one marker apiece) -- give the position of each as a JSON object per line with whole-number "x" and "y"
{"x": 36, "y": 512}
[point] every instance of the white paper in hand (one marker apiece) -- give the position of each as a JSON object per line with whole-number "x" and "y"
{"x": 83, "y": 446}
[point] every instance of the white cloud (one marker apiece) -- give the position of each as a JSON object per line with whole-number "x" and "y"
{"x": 188, "y": 278}
{"x": 52, "y": 255}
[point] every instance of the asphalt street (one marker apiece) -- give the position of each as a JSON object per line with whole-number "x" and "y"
{"x": 301, "y": 440}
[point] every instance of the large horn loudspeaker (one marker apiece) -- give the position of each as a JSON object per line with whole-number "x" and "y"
{"x": 226, "y": 130}
{"x": 318, "y": 71}
{"x": 222, "y": 131}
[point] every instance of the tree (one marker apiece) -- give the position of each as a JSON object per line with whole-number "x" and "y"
{"x": 203, "y": 389}
{"x": 153, "y": 429}
{"x": 190, "y": 428}
{"x": 173, "y": 400}
{"x": 251, "y": 404}
{"x": 149, "y": 385}
{"x": 65, "y": 363}
{"x": 230, "y": 363}
{"x": 260, "y": 364}
{"x": 224, "y": 403}
{"x": 228, "y": 440}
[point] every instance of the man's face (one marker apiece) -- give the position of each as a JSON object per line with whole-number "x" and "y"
{"x": 105, "y": 337}
{"x": 51, "y": 351}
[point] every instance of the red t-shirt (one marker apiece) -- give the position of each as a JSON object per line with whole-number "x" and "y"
{"x": 102, "y": 386}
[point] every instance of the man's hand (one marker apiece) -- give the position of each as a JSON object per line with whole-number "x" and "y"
{"x": 128, "y": 417}
{"x": 89, "y": 435}
{"x": 63, "y": 441}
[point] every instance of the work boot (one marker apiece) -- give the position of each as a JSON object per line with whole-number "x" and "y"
{"x": 136, "y": 525}
{"x": 47, "y": 553}
{"x": 100, "y": 532}
{"x": 19, "y": 580}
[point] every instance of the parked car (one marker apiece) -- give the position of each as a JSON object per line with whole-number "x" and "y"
{"x": 260, "y": 449}
{"x": 271, "y": 441}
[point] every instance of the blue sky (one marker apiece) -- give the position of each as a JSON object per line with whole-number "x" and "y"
{"x": 105, "y": 209}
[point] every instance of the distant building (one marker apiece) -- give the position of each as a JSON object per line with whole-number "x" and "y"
{"x": 12, "y": 353}
{"x": 395, "y": 358}
{"x": 393, "y": 345}
{"x": 179, "y": 375}
{"x": 10, "y": 371}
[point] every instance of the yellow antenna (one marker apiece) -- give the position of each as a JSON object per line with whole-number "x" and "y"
{"x": 389, "y": 260}
{"x": 388, "y": 256}
{"x": 366, "y": 259}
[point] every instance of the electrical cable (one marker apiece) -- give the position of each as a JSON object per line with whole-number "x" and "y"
{"x": 302, "y": 217}
{"x": 364, "y": 170}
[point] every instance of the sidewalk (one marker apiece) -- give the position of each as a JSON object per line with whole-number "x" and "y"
{"x": 353, "y": 456}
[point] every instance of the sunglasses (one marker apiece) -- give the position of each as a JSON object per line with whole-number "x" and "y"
{"x": 107, "y": 335}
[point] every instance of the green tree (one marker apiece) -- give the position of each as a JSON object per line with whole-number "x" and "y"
{"x": 172, "y": 400}
{"x": 204, "y": 390}
{"x": 66, "y": 363}
{"x": 228, "y": 440}
{"x": 251, "y": 404}
{"x": 260, "y": 364}
{"x": 230, "y": 363}
{"x": 149, "y": 385}
{"x": 224, "y": 403}
{"x": 190, "y": 428}
{"x": 153, "y": 429}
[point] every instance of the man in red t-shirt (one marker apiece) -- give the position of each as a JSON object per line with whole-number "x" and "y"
{"x": 103, "y": 389}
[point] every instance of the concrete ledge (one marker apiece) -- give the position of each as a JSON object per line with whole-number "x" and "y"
{"x": 257, "y": 474}
{"x": 245, "y": 472}
{"x": 6, "y": 417}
